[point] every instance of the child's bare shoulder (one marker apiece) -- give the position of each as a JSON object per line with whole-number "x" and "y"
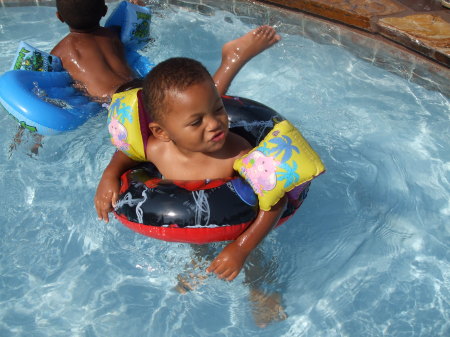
{"x": 92, "y": 41}
{"x": 155, "y": 147}
{"x": 59, "y": 49}
{"x": 239, "y": 144}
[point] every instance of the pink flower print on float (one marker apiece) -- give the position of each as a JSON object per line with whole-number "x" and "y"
{"x": 260, "y": 171}
{"x": 118, "y": 134}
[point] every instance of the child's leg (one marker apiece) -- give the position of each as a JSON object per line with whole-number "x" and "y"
{"x": 267, "y": 306}
{"x": 37, "y": 143}
{"x": 236, "y": 53}
{"x": 37, "y": 138}
{"x": 194, "y": 275}
{"x": 17, "y": 139}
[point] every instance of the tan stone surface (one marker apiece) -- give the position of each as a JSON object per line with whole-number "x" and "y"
{"x": 422, "y": 5}
{"x": 425, "y": 27}
{"x": 365, "y": 7}
{"x": 425, "y": 33}
{"x": 356, "y": 13}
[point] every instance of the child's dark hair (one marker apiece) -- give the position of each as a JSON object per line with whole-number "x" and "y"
{"x": 175, "y": 74}
{"x": 81, "y": 14}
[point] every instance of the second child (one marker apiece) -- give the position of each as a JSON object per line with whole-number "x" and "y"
{"x": 94, "y": 56}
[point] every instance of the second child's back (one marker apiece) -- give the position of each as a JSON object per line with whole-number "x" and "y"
{"x": 95, "y": 59}
{"x": 93, "y": 55}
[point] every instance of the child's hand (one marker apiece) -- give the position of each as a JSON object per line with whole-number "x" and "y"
{"x": 229, "y": 262}
{"x": 106, "y": 196}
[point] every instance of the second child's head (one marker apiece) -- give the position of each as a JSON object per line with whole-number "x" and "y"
{"x": 81, "y": 14}
{"x": 182, "y": 101}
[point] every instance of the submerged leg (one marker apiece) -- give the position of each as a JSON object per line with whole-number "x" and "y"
{"x": 16, "y": 140}
{"x": 236, "y": 53}
{"x": 194, "y": 275}
{"x": 267, "y": 305}
{"x": 267, "y": 308}
{"x": 37, "y": 144}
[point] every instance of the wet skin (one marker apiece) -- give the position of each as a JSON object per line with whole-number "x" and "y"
{"x": 192, "y": 141}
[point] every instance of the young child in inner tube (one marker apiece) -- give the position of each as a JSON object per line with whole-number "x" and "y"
{"x": 95, "y": 57}
{"x": 190, "y": 141}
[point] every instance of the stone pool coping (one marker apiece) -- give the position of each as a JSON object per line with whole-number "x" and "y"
{"x": 402, "y": 36}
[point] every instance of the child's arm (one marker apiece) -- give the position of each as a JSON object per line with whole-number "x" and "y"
{"x": 231, "y": 259}
{"x": 137, "y": 2}
{"x": 109, "y": 185}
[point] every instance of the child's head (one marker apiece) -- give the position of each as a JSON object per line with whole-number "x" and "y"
{"x": 169, "y": 78}
{"x": 81, "y": 14}
{"x": 184, "y": 106}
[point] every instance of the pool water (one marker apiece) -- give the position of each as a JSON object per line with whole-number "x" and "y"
{"x": 366, "y": 255}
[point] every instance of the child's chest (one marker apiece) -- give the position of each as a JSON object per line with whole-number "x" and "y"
{"x": 208, "y": 168}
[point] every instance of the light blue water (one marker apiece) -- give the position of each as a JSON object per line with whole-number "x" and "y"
{"x": 366, "y": 255}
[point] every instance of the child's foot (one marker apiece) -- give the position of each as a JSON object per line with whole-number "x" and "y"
{"x": 190, "y": 280}
{"x": 16, "y": 140}
{"x": 35, "y": 149}
{"x": 267, "y": 308}
{"x": 189, "y": 283}
{"x": 249, "y": 45}
{"x": 238, "y": 52}
{"x": 37, "y": 144}
{"x": 183, "y": 286}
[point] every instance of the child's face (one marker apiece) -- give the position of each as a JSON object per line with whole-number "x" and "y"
{"x": 196, "y": 120}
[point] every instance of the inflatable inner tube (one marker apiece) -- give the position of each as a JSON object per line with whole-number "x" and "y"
{"x": 200, "y": 211}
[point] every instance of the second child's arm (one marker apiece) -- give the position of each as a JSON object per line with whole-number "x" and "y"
{"x": 109, "y": 185}
{"x": 138, "y": 2}
{"x": 231, "y": 259}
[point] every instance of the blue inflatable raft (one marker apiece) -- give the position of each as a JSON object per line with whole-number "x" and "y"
{"x": 40, "y": 94}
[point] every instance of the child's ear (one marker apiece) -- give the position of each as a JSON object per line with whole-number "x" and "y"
{"x": 158, "y": 132}
{"x": 60, "y": 18}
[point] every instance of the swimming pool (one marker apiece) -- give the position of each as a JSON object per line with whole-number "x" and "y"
{"x": 366, "y": 255}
